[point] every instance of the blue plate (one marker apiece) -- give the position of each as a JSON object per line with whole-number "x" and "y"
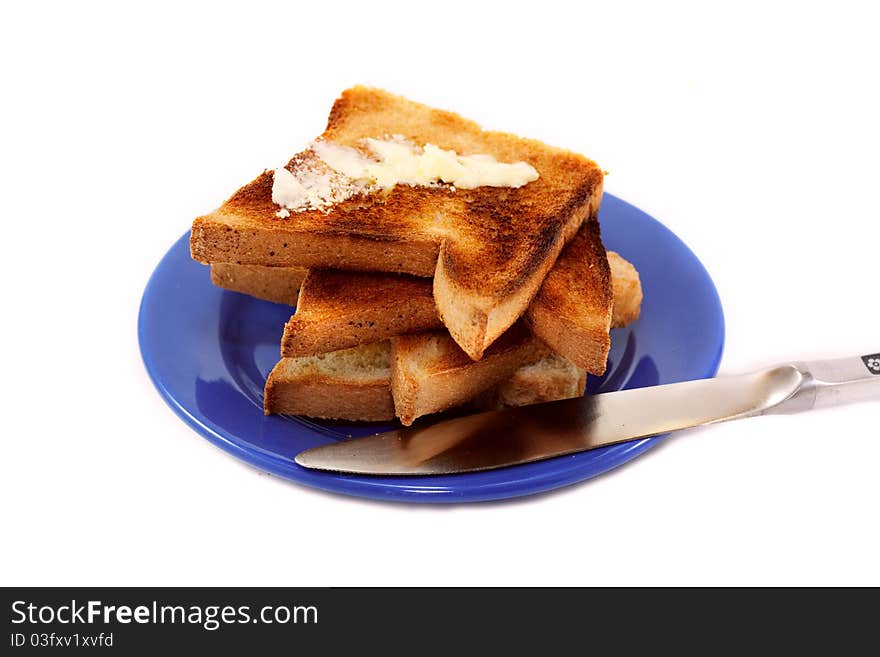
{"x": 209, "y": 351}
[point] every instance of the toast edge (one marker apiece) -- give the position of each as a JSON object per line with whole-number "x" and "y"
{"x": 627, "y": 290}
{"x": 314, "y": 397}
{"x": 313, "y": 329}
{"x": 275, "y": 284}
{"x": 414, "y": 396}
{"x": 212, "y": 241}
{"x": 471, "y": 325}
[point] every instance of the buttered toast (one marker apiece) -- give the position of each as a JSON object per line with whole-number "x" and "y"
{"x": 488, "y": 248}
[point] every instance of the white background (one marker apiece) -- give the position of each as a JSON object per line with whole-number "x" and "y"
{"x": 751, "y": 131}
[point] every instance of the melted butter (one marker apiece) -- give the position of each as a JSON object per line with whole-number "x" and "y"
{"x": 341, "y": 172}
{"x": 400, "y": 162}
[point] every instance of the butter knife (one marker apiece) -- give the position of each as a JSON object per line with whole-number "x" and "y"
{"x": 532, "y": 433}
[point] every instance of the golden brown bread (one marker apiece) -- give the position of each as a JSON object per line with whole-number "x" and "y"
{"x": 431, "y": 373}
{"x": 572, "y": 312}
{"x": 276, "y": 284}
{"x": 352, "y": 384}
{"x": 364, "y": 392}
{"x": 355, "y": 384}
{"x": 279, "y": 284}
{"x": 488, "y": 249}
{"x": 337, "y": 309}
{"x": 551, "y": 378}
{"x": 627, "y": 290}
{"x": 344, "y": 309}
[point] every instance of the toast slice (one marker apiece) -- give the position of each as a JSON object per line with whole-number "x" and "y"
{"x": 626, "y": 287}
{"x": 573, "y": 310}
{"x": 343, "y": 309}
{"x": 551, "y": 378}
{"x": 276, "y": 284}
{"x": 339, "y": 309}
{"x": 282, "y": 285}
{"x": 431, "y": 373}
{"x": 351, "y": 384}
{"x": 356, "y": 385}
{"x": 487, "y": 248}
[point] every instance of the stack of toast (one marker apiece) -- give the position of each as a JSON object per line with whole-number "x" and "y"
{"x": 414, "y": 297}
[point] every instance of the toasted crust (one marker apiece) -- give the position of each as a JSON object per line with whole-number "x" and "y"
{"x": 330, "y": 400}
{"x": 352, "y": 384}
{"x": 549, "y": 379}
{"x": 276, "y": 284}
{"x": 338, "y": 309}
{"x": 279, "y": 284}
{"x": 572, "y": 312}
{"x": 430, "y": 372}
{"x": 343, "y": 309}
{"x": 495, "y": 245}
{"x": 366, "y": 396}
{"x": 627, "y": 289}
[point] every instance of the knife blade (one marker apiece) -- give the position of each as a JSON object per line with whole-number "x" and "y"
{"x": 514, "y": 436}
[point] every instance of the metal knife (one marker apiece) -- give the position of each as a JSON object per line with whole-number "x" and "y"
{"x": 531, "y": 433}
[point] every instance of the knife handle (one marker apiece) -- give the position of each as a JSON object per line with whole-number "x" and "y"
{"x": 829, "y": 383}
